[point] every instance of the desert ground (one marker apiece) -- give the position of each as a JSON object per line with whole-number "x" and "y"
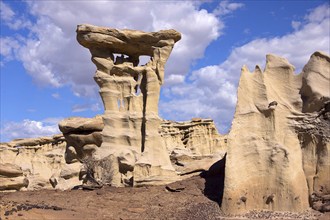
{"x": 193, "y": 198}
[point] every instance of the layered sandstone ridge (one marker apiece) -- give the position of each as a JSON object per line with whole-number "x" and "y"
{"x": 279, "y": 137}
{"x": 58, "y": 161}
{"x": 36, "y": 163}
{"x": 197, "y": 137}
{"x": 130, "y": 93}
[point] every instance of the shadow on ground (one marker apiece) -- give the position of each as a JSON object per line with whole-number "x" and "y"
{"x": 214, "y": 181}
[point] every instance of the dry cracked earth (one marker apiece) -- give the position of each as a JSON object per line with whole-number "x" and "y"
{"x": 193, "y": 198}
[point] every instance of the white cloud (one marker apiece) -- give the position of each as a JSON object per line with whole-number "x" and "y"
{"x": 8, "y": 46}
{"x": 31, "y": 110}
{"x": 85, "y": 107}
{"x": 6, "y": 13}
{"x": 226, "y": 7}
{"x": 174, "y": 79}
{"x": 295, "y": 25}
{"x": 13, "y": 20}
{"x": 52, "y": 56}
{"x": 29, "y": 128}
{"x": 319, "y": 14}
{"x": 212, "y": 89}
{"x": 56, "y": 95}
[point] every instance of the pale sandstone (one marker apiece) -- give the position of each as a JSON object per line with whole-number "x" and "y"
{"x": 10, "y": 170}
{"x": 82, "y": 135}
{"x": 43, "y": 160}
{"x": 315, "y": 89}
{"x": 130, "y": 94}
{"x": 266, "y": 167}
{"x": 278, "y": 146}
{"x": 13, "y": 183}
{"x": 30, "y": 163}
{"x": 199, "y": 164}
{"x": 314, "y": 126}
{"x": 198, "y": 137}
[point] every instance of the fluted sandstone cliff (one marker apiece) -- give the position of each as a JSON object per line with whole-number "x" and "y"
{"x": 273, "y": 143}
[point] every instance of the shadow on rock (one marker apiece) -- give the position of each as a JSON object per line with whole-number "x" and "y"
{"x": 214, "y": 181}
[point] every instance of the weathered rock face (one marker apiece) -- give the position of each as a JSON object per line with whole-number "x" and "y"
{"x": 272, "y": 148}
{"x": 198, "y": 137}
{"x": 58, "y": 161}
{"x": 315, "y": 89}
{"x": 314, "y": 129}
{"x": 11, "y": 177}
{"x": 130, "y": 94}
{"x": 35, "y": 163}
{"x": 185, "y": 143}
{"x": 82, "y": 135}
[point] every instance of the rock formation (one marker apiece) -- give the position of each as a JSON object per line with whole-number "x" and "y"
{"x": 194, "y": 146}
{"x": 58, "y": 161}
{"x": 314, "y": 129}
{"x": 36, "y": 163}
{"x": 11, "y": 177}
{"x": 276, "y": 156}
{"x": 278, "y": 139}
{"x": 82, "y": 135}
{"x": 198, "y": 137}
{"x": 130, "y": 95}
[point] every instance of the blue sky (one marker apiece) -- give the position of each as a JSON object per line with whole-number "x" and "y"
{"x": 47, "y": 76}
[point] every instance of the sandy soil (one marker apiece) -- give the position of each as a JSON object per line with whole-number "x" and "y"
{"x": 181, "y": 200}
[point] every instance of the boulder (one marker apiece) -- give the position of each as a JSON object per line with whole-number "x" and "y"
{"x": 83, "y": 136}
{"x": 79, "y": 124}
{"x": 14, "y": 183}
{"x": 10, "y": 170}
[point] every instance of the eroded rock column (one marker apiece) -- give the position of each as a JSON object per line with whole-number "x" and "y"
{"x": 264, "y": 160}
{"x": 278, "y": 146}
{"x": 130, "y": 93}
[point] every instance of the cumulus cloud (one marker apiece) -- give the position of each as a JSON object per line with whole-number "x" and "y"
{"x": 13, "y": 20}
{"x": 226, "y": 7}
{"x": 86, "y": 107}
{"x": 8, "y": 46}
{"x": 29, "y": 128}
{"x": 56, "y": 95}
{"x": 211, "y": 91}
{"x": 52, "y": 56}
{"x": 6, "y": 13}
{"x": 295, "y": 25}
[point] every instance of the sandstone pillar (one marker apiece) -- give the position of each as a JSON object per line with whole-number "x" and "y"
{"x": 130, "y": 94}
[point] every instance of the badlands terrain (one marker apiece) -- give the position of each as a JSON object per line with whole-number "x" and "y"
{"x": 128, "y": 163}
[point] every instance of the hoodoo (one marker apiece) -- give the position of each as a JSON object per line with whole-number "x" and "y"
{"x": 130, "y": 94}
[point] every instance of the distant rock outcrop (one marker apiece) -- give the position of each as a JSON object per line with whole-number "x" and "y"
{"x": 36, "y": 163}
{"x": 197, "y": 137}
{"x": 278, "y": 138}
{"x": 11, "y": 177}
{"x": 58, "y": 161}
